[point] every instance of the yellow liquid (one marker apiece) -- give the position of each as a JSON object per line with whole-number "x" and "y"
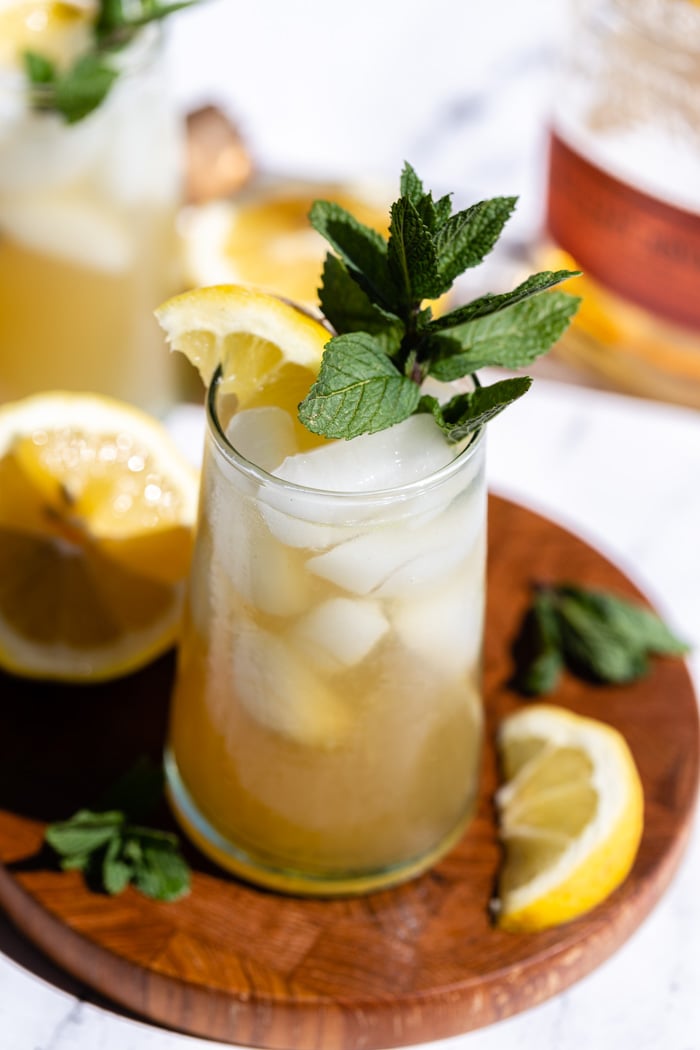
{"x": 64, "y": 325}
{"x": 298, "y": 766}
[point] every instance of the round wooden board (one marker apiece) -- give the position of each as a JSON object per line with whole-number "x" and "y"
{"x": 409, "y": 965}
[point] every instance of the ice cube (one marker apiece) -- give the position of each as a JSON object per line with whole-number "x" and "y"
{"x": 340, "y": 632}
{"x": 264, "y": 436}
{"x": 68, "y": 227}
{"x": 391, "y": 458}
{"x": 266, "y": 574}
{"x": 444, "y": 627}
{"x": 279, "y": 690}
{"x": 391, "y": 560}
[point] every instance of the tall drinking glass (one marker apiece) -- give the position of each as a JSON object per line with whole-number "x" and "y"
{"x": 326, "y": 724}
{"x": 87, "y": 235}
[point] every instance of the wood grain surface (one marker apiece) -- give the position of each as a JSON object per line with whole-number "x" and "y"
{"x": 397, "y": 967}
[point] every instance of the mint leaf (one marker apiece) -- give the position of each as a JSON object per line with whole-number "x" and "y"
{"x": 363, "y": 250}
{"x": 381, "y": 290}
{"x": 349, "y": 309}
{"x": 630, "y": 622}
{"x": 162, "y": 873}
{"x": 116, "y": 872}
{"x": 118, "y": 15}
{"x": 412, "y": 256}
{"x": 76, "y": 92}
{"x": 39, "y": 69}
{"x": 358, "y": 390}
{"x": 432, "y": 213}
{"x": 511, "y": 338}
{"x": 468, "y": 237}
{"x": 114, "y": 852}
{"x": 489, "y": 304}
{"x": 595, "y": 634}
{"x": 410, "y": 185}
{"x": 594, "y": 650}
{"x": 468, "y": 412}
{"x": 541, "y": 643}
{"x": 84, "y": 832}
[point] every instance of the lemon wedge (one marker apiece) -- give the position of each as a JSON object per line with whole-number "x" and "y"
{"x": 269, "y": 351}
{"x": 97, "y": 508}
{"x": 571, "y": 816}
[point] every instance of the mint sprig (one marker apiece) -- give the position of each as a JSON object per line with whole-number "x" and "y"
{"x": 111, "y": 847}
{"x": 378, "y": 287}
{"x": 77, "y": 91}
{"x": 593, "y": 633}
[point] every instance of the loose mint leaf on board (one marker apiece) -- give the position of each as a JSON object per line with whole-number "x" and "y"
{"x": 162, "y": 873}
{"x": 634, "y": 623}
{"x": 84, "y": 832}
{"x": 510, "y": 338}
{"x": 594, "y": 650}
{"x": 358, "y": 391}
{"x": 362, "y": 249}
{"x": 113, "y": 852}
{"x": 468, "y": 237}
{"x": 540, "y": 645}
{"x": 599, "y": 636}
{"x": 349, "y": 309}
{"x": 116, "y": 871}
{"x": 468, "y": 412}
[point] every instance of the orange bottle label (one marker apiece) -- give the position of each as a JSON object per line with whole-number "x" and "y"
{"x": 631, "y": 243}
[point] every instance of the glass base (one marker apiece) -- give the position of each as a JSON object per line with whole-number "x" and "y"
{"x": 289, "y": 880}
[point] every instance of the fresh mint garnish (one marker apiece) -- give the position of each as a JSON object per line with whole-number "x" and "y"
{"x": 113, "y": 849}
{"x": 376, "y": 287}
{"x": 77, "y": 91}
{"x": 593, "y": 633}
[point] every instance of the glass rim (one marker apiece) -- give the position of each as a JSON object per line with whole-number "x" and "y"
{"x": 384, "y": 495}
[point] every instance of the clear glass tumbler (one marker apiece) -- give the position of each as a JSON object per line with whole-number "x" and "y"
{"x": 326, "y": 725}
{"x": 87, "y": 236}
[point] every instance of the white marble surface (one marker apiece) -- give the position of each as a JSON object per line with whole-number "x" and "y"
{"x": 322, "y": 88}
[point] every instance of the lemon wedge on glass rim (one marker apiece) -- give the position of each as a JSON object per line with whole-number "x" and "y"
{"x": 571, "y": 816}
{"x": 269, "y": 350}
{"x": 97, "y": 508}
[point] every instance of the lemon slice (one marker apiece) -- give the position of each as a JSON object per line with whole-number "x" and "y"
{"x": 97, "y": 508}
{"x": 59, "y": 31}
{"x": 571, "y": 816}
{"x": 270, "y": 351}
{"x": 262, "y": 237}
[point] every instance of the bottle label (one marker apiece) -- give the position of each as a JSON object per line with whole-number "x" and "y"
{"x": 637, "y": 246}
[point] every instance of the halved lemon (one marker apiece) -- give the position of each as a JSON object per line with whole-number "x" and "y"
{"x": 97, "y": 507}
{"x": 262, "y": 237}
{"x": 270, "y": 351}
{"x": 571, "y": 816}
